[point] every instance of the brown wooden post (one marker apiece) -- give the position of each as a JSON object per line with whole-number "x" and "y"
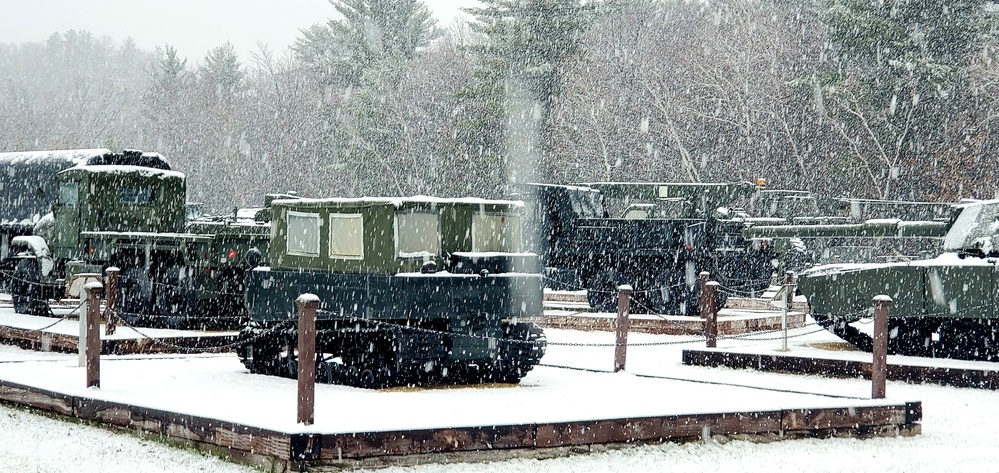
{"x": 93, "y": 321}
{"x": 111, "y": 306}
{"x": 708, "y": 307}
{"x": 623, "y": 325}
{"x": 879, "y": 364}
{"x": 307, "y": 304}
{"x": 711, "y": 317}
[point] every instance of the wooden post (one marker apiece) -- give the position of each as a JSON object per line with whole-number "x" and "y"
{"x": 711, "y": 287}
{"x": 879, "y": 364}
{"x": 789, "y": 283}
{"x": 307, "y": 304}
{"x": 93, "y": 321}
{"x": 111, "y": 306}
{"x": 623, "y": 325}
{"x": 708, "y": 307}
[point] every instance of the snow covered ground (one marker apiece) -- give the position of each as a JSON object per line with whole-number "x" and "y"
{"x": 957, "y": 425}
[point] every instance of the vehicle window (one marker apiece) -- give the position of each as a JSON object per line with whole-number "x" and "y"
{"x": 69, "y": 194}
{"x": 138, "y": 195}
{"x": 303, "y": 234}
{"x": 346, "y": 236}
{"x": 496, "y": 233}
{"x": 417, "y": 234}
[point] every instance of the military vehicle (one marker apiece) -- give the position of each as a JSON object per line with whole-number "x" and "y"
{"x": 125, "y": 210}
{"x": 413, "y": 290}
{"x": 943, "y": 306}
{"x": 866, "y": 230}
{"x": 28, "y": 183}
{"x": 656, "y": 237}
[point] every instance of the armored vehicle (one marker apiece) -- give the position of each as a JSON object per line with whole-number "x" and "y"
{"x": 943, "y": 306}
{"x": 413, "y": 290}
{"x": 655, "y": 236}
{"x": 128, "y": 210}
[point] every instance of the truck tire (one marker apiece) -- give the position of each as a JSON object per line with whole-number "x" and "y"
{"x": 174, "y": 300}
{"x": 665, "y": 293}
{"x": 135, "y": 296}
{"x": 26, "y": 291}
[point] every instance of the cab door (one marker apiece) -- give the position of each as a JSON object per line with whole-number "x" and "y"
{"x": 66, "y": 211}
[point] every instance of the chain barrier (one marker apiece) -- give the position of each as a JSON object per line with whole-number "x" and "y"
{"x": 613, "y": 291}
{"x": 173, "y": 286}
{"x": 737, "y": 293}
{"x": 701, "y": 381}
{"x": 64, "y": 317}
{"x": 214, "y": 349}
{"x": 571, "y": 287}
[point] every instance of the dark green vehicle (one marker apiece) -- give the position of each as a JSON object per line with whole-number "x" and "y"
{"x": 127, "y": 210}
{"x": 413, "y": 290}
{"x": 657, "y": 237}
{"x": 943, "y": 306}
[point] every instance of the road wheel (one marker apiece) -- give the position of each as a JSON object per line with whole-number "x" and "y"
{"x": 602, "y": 293}
{"x": 522, "y": 347}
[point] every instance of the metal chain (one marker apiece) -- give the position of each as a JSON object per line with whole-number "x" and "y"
{"x": 215, "y": 349}
{"x": 53, "y": 324}
{"x": 162, "y": 284}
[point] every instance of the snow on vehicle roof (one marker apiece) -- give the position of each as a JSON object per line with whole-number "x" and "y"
{"x": 67, "y": 155}
{"x": 83, "y": 157}
{"x": 564, "y": 186}
{"x": 124, "y": 169}
{"x": 397, "y": 201}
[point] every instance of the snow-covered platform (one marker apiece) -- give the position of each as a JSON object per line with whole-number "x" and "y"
{"x": 849, "y": 363}
{"x": 61, "y": 334}
{"x": 211, "y": 402}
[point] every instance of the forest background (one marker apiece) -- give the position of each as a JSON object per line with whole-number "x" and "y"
{"x": 890, "y": 99}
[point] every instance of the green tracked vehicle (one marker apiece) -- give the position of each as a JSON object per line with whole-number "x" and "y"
{"x": 943, "y": 306}
{"x": 413, "y": 290}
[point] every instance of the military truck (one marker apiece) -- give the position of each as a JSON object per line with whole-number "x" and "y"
{"x": 415, "y": 290}
{"x": 126, "y": 210}
{"x": 28, "y": 183}
{"x": 656, "y": 237}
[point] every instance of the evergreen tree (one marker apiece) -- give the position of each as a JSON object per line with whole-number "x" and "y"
{"x": 167, "y": 106}
{"x": 221, "y": 74}
{"x": 371, "y": 32}
{"x": 525, "y": 46}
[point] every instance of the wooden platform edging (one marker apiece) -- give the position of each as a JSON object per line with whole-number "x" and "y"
{"x": 48, "y": 341}
{"x": 275, "y": 451}
{"x": 727, "y": 325}
{"x": 958, "y": 377}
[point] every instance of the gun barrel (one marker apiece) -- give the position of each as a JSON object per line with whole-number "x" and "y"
{"x": 868, "y": 229}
